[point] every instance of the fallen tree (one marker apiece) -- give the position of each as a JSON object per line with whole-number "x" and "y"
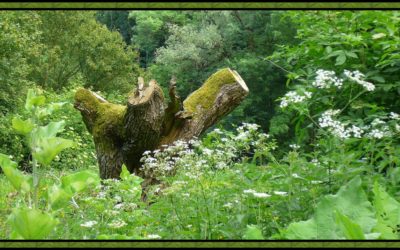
{"x": 122, "y": 133}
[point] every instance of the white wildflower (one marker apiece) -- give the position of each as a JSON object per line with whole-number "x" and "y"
{"x": 218, "y": 131}
{"x": 261, "y": 195}
{"x": 228, "y": 205}
{"x": 89, "y": 224}
{"x": 326, "y": 79}
{"x": 376, "y": 133}
{"x": 315, "y": 162}
{"x": 336, "y": 127}
{"x": 117, "y": 198}
{"x": 179, "y": 183}
{"x": 247, "y": 191}
{"x": 357, "y": 77}
{"x": 281, "y": 193}
{"x": 294, "y": 146}
{"x": 207, "y": 151}
{"x": 356, "y": 131}
{"x": 153, "y": 236}
{"x": 221, "y": 165}
{"x": 316, "y": 182}
{"x": 397, "y": 127}
{"x": 295, "y": 175}
{"x": 377, "y": 122}
{"x": 294, "y": 97}
{"x": 394, "y": 116}
{"x": 242, "y": 136}
{"x": 117, "y": 224}
{"x": 119, "y": 206}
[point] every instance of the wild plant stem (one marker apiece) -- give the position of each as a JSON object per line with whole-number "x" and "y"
{"x": 35, "y": 183}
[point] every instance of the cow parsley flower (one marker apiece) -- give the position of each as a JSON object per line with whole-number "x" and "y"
{"x": 326, "y": 79}
{"x": 261, "y": 195}
{"x": 358, "y": 77}
{"x": 249, "y": 191}
{"x": 394, "y": 116}
{"x": 294, "y": 97}
{"x": 117, "y": 224}
{"x": 89, "y": 224}
{"x": 153, "y": 236}
{"x": 281, "y": 193}
{"x": 336, "y": 127}
{"x": 356, "y": 131}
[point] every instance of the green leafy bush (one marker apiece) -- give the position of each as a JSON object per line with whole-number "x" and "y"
{"x": 32, "y": 219}
{"x": 350, "y": 215}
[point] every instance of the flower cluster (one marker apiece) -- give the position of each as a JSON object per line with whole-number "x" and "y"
{"x": 89, "y": 224}
{"x": 377, "y": 129}
{"x": 194, "y": 157}
{"x": 326, "y": 79}
{"x": 294, "y": 97}
{"x": 338, "y": 128}
{"x": 117, "y": 224}
{"x": 256, "y": 194}
{"x": 358, "y": 77}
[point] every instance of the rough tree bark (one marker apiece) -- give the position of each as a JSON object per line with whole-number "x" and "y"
{"x": 122, "y": 133}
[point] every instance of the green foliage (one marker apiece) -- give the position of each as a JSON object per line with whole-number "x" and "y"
{"x": 346, "y": 40}
{"x": 83, "y": 47}
{"x": 253, "y": 233}
{"x": 28, "y": 221}
{"x": 17, "y": 179}
{"x": 19, "y": 41}
{"x": 387, "y": 214}
{"x": 150, "y": 30}
{"x": 349, "y": 215}
{"x": 210, "y": 41}
{"x": 53, "y": 48}
{"x": 335, "y": 174}
{"x": 337, "y": 216}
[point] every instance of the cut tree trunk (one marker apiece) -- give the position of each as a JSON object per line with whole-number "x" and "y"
{"x": 122, "y": 133}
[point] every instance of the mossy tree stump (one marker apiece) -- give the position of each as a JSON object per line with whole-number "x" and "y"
{"x": 122, "y": 133}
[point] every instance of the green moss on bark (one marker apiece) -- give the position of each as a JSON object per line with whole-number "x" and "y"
{"x": 87, "y": 98}
{"x": 110, "y": 120}
{"x": 206, "y": 94}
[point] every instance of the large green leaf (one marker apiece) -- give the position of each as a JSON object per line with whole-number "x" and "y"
{"x": 352, "y": 230}
{"x": 48, "y": 148}
{"x": 301, "y": 230}
{"x": 49, "y": 109}
{"x": 387, "y": 212}
{"x": 22, "y": 127}
{"x": 58, "y": 197}
{"x": 31, "y": 223}
{"x": 6, "y": 162}
{"x": 253, "y": 233}
{"x": 124, "y": 173}
{"x": 17, "y": 179}
{"x": 350, "y": 201}
{"x": 48, "y": 131}
{"x": 33, "y": 100}
{"x": 341, "y": 59}
{"x": 79, "y": 181}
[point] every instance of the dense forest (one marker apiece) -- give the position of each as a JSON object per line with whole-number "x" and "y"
{"x": 310, "y": 149}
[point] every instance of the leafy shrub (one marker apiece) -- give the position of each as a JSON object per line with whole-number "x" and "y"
{"x": 28, "y": 220}
{"x": 350, "y": 215}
